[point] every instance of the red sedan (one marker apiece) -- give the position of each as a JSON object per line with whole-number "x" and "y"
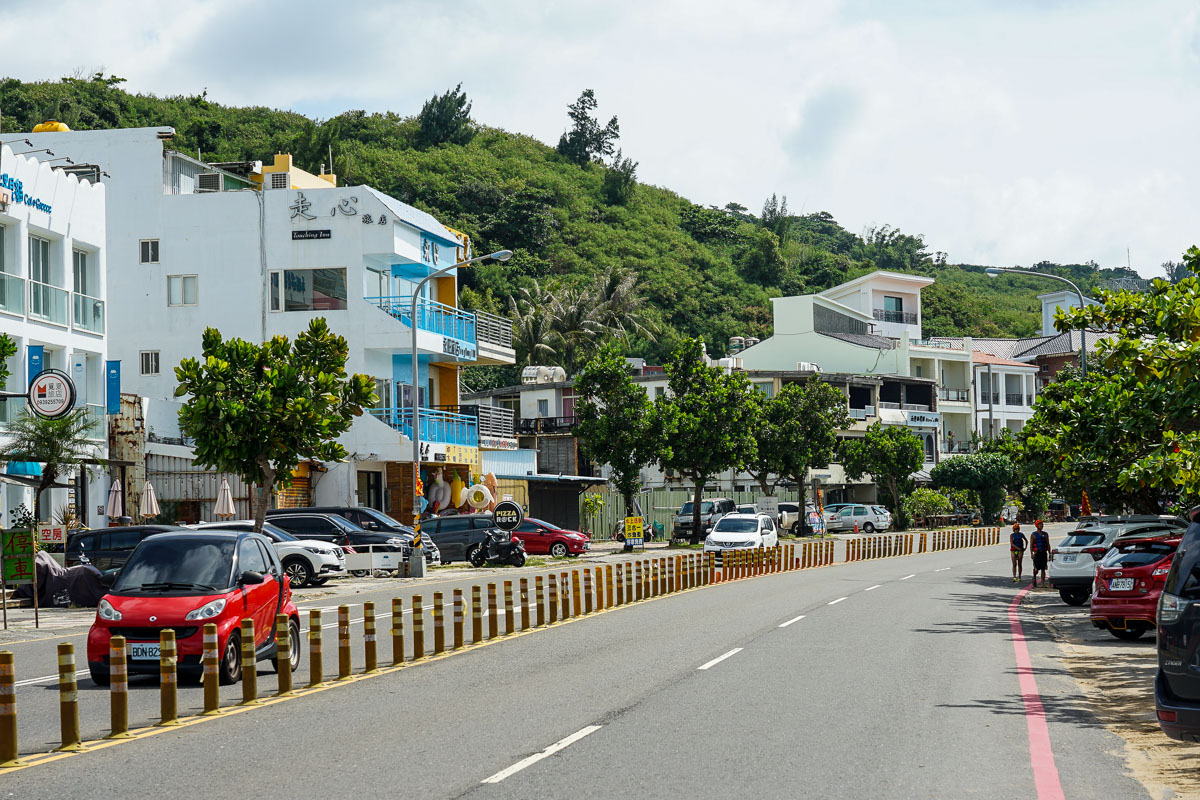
{"x": 1129, "y": 581}
{"x": 546, "y": 538}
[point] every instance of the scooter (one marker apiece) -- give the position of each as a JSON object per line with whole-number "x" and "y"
{"x": 500, "y": 548}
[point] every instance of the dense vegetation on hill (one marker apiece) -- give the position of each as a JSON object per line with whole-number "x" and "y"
{"x": 566, "y": 214}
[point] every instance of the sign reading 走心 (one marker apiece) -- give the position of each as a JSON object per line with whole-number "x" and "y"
{"x": 16, "y": 550}
{"x": 302, "y": 209}
{"x": 17, "y": 194}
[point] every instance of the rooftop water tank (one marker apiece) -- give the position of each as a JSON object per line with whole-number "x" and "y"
{"x": 736, "y": 344}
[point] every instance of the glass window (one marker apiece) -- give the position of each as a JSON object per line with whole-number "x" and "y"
{"x": 527, "y": 527}
{"x": 39, "y": 260}
{"x": 1082, "y": 540}
{"x": 194, "y": 562}
{"x": 543, "y": 408}
{"x": 79, "y": 268}
{"x": 659, "y": 391}
{"x": 150, "y": 362}
{"x": 1139, "y": 554}
{"x": 309, "y": 289}
{"x": 182, "y": 290}
{"x": 271, "y": 561}
{"x": 893, "y": 303}
{"x": 454, "y": 525}
{"x": 149, "y": 251}
{"x": 860, "y": 511}
{"x": 250, "y": 557}
{"x": 736, "y": 525}
{"x": 122, "y": 540}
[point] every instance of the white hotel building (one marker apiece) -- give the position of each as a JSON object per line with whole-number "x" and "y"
{"x": 52, "y": 301}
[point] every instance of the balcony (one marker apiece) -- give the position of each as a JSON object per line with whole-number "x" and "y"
{"x": 866, "y": 412}
{"x": 492, "y": 420}
{"x": 48, "y": 303}
{"x": 932, "y": 343}
{"x": 1013, "y": 399}
{"x": 441, "y": 427}
{"x": 89, "y": 313}
{"x": 1029, "y": 400}
{"x": 12, "y": 294}
{"x": 956, "y": 447}
{"x": 904, "y": 317}
{"x": 546, "y": 425}
{"x": 915, "y": 407}
{"x": 494, "y": 330}
{"x": 953, "y": 395}
{"x": 432, "y": 316}
{"x": 984, "y": 398}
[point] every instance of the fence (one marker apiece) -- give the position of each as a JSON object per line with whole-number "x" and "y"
{"x": 658, "y": 505}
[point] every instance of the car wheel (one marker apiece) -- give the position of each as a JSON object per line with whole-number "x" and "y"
{"x": 1129, "y": 634}
{"x": 795, "y": 528}
{"x": 1073, "y": 597}
{"x": 868, "y": 527}
{"x": 360, "y": 573}
{"x": 99, "y": 675}
{"x": 558, "y": 550}
{"x": 476, "y": 556}
{"x": 293, "y": 647}
{"x": 230, "y": 668}
{"x": 298, "y": 571}
{"x": 319, "y": 581}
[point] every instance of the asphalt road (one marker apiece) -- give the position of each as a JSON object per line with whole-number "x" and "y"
{"x": 888, "y": 678}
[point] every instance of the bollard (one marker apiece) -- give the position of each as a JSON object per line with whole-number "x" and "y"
{"x": 418, "y": 628}
{"x": 316, "y": 661}
{"x": 283, "y": 654}
{"x": 8, "y": 709}
{"x": 628, "y": 585}
{"x": 587, "y": 591}
{"x": 539, "y": 601}
{"x": 509, "y": 625}
{"x": 610, "y": 592}
{"x": 370, "y": 654}
{"x": 249, "y": 664}
{"x": 439, "y": 626}
{"x": 209, "y": 660}
{"x": 653, "y": 569}
{"x": 553, "y": 581}
{"x": 493, "y": 612}
{"x": 168, "y": 695}
{"x": 576, "y": 594}
{"x": 525, "y": 603}
{"x": 118, "y": 682}
{"x": 397, "y": 631}
{"x": 599, "y": 588}
{"x": 343, "y": 642}
{"x": 477, "y": 614}
{"x": 620, "y": 586}
{"x": 68, "y": 698}
{"x": 565, "y": 595}
{"x": 458, "y": 619}
{"x": 638, "y": 594}
{"x": 709, "y": 569}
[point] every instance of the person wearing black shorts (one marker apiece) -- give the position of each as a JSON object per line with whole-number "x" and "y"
{"x": 1039, "y": 548}
{"x": 1016, "y": 547}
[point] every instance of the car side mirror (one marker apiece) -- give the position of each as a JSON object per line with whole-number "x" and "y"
{"x": 250, "y": 578}
{"x": 107, "y": 579}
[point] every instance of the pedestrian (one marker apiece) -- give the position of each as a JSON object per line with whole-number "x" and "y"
{"x": 1039, "y": 549}
{"x": 1016, "y": 547}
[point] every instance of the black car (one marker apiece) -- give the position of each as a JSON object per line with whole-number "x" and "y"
{"x": 337, "y": 530}
{"x": 366, "y": 518}
{"x": 1177, "y": 685}
{"x": 108, "y": 548}
{"x": 457, "y": 535}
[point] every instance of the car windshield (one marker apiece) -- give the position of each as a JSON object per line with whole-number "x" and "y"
{"x": 384, "y": 521}
{"x": 160, "y": 565}
{"x": 879, "y": 509}
{"x": 736, "y": 525}
{"x": 1139, "y": 554}
{"x": 705, "y": 508}
{"x": 1079, "y": 539}
{"x": 277, "y": 534}
{"x": 345, "y": 525}
{"x": 544, "y": 524}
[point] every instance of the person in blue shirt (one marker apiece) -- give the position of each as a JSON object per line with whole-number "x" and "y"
{"x": 1039, "y": 550}
{"x": 1016, "y": 546}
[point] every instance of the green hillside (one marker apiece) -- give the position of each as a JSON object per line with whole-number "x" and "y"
{"x": 703, "y": 271}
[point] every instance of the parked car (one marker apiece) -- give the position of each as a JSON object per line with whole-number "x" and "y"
{"x": 184, "y": 580}
{"x": 306, "y": 562}
{"x": 1129, "y": 580}
{"x": 868, "y": 518}
{"x": 738, "y": 531}
{"x": 1177, "y": 684}
{"x": 108, "y": 548}
{"x": 368, "y": 519}
{"x": 711, "y": 510}
{"x": 541, "y": 537}
{"x": 337, "y": 530}
{"x": 1073, "y": 562}
{"x": 457, "y": 535}
{"x": 750, "y": 508}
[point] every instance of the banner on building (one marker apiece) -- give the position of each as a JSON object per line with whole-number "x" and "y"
{"x": 112, "y": 378}
{"x": 37, "y": 362}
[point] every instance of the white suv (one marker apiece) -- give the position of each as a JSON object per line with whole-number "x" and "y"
{"x": 308, "y": 562}
{"x": 1073, "y": 562}
{"x": 741, "y": 531}
{"x": 868, "y": 518}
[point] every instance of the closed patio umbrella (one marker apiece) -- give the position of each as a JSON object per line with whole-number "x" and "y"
{"x": 225, "y": 500}
{"x": 149, "y": 502}
{"x": 116, "y": 504}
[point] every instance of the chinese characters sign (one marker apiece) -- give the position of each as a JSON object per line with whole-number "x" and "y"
{"x": 634, "y": 532}
{"x": 16, "y": 546}
{"x": 52, "y": 534}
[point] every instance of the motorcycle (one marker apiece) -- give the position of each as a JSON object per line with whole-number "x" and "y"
{"x": 499, "y": 548}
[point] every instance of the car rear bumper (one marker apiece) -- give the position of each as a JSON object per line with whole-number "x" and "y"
{"x": 1071, "y": 581}
{"x": 1120, "y": 613}
{"x": 1186, "y": 724}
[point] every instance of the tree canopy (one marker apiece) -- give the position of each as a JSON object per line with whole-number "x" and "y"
{"x": 588, "y": 140}
{"x": 445, "y": 119}
{"x": 890, "y": 453}
{"x": 989, "y": 474}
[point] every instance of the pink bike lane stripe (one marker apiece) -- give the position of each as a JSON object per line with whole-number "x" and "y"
{"x": 1041, "y": 757}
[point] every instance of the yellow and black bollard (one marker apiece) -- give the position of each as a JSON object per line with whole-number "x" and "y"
{"x": 493, "y": 612}
{"x": 168, "y": 684}
{"x": 510, "y": 623}
{"x": 652, "y": 568}
{"x": 576, "y": 594}
{"x": 118, "y": 685}
{"x": 249, "y": 664}
{"x": 458, "y": 619}
{"x": 477, "y": 614}
{"x": 553, "y": 589}
{"x": 370, "y": 651}
{"x": 397, "y": 630}
{"x": 539, "y": 596}
{"x": 316, "y": 661}
{"x": 638, "y": 593}
{"x": 418, "y": 628}
{"x": 610, "y": 591}
{"x": 209, "y": 659}
{"x": 343, "y": 629}
{"x": 587, "y": 591}
{"x": 68, "y": 699}
{"x": 599, "y": 588}
{"x": 283, "y": 654}
{"x": 439, "y": 625}
{"x": 524, "y": 604}
{"x": 8, "y": 711}
{"x": 565, "y": 596}
{"x": 628, "y": 585}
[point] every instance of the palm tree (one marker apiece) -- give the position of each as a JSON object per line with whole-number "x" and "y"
{"x": 577, "y": 326}
{"x": 57, "y": 444}
{"x": 619, "y": 307}
{"x": 534, "y": 332}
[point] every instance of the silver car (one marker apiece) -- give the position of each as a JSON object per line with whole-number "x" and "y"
{"x": 868, "y": 518}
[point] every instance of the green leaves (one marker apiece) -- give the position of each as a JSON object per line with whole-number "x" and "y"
{"x": 797, "y": 429}
{"x": 891, "y": 454}
{"x": 989, "y": 474}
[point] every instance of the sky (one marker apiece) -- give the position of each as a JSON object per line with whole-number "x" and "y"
{"x": 1005, "y": 132}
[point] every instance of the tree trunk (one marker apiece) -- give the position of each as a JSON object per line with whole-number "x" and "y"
{"x": 894, "y": 488}
{"x": 696, "y": 533}
{"x": 801, "y": 497}
{"x": 264, "y": 494}
{"x": 762, "y": 483}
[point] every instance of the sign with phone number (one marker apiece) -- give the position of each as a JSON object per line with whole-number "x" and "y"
{"x": 634, "y": 533}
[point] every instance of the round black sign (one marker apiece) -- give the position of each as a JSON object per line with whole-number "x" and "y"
{"x": 51, "y": 394}
{"x": 508, "y": 515}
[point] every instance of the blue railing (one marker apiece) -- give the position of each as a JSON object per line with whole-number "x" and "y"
{"x": 436, "y": 426}
{"x": 431, "y": 316}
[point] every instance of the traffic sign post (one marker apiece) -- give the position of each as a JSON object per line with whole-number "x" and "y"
{"x": 635, "y": 533}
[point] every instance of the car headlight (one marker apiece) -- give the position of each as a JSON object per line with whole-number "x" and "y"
{"x": 106, "y": 611}
{"x": 321, "y": 551}
{"x": 708, "y": 542}
{"x": 208, "y": 610}
{"x": 1170, "y": 607}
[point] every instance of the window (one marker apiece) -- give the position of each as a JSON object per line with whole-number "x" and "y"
{"x": 149, "y": 251}
{"x": 181, "y": 290}
{"x": 917, "y": 368}
{"x": 150, "y": 362}
{"x": 454, "y": 525}
{"x": 766, "y": 389}
{"x": 543, "y": 408}
{"x": 250, "y": 557}
{"x": 893, "y": 303}
{"x": 280, "y": 180}
{"x": 79, "y": 268}
{"x": 308, "y": 289}
{"x": 659, "y": 391}
{"x": 1045, "y": 367}
{"x": 39, "y": 260}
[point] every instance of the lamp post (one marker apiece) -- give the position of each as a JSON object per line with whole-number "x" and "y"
{"x": 995, "y": 272}
{"x": 499, "y": 255}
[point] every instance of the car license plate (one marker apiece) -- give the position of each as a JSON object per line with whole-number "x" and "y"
{"x": 143, "y": 650}
{"x": 1069, "y": 558}
{"x": 1120, "y": 585}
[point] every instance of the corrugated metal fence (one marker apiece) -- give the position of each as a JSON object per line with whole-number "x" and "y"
{"x": 178, "y": 480}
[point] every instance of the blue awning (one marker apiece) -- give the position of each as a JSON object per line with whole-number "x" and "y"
{"x": 24, "y": 468}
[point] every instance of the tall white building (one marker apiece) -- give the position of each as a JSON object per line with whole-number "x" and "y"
{"x": 53, "y": 305}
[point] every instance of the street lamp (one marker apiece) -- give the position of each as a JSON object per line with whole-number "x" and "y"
{"x": 499, "y": 255}
{"x": 995, "y": 272}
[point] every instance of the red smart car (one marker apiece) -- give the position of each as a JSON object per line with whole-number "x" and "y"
{"x": 1129, "y": 580}
{"x": 183, "y": 581}
{"x": 542, "y": 538}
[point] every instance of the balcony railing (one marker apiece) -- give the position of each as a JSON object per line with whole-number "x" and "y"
{"x": 885, "y": 315}
{"x": 931, "y": 343}
{"x": 98, "y": 429}
{"x": 493, "y": 330}
{"x": 432, "y": 316}
{"x": 956, "y": 447}
{"x": 546, "y": 424}
{"x": 956, "y": 395}
{"x": 983, "y": 398}
{"x": 492, "y": 420}
{"x": 866, "y": 412}
{"x": 48, "y": 303}
{"x": 882, "y": 404}
{"x": 12, "y": 294}
{"x": 1013, "y": 398}
{"x": 1029, "y": 400}
{"x": 89, "y": 313}
{"x": 441, "y": 427}
{"x": 915, "y": 407}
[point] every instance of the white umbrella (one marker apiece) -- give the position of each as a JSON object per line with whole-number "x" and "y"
{"x": 225, "y": 500}
{"x": 116, "y": 505}
{"x": 149, "y": 502}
